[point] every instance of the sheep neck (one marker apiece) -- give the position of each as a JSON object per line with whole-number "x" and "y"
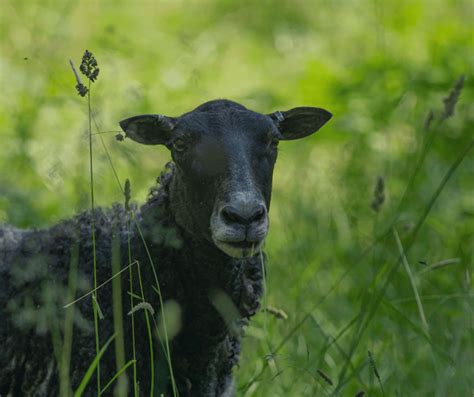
{"x": 200, "y": 260}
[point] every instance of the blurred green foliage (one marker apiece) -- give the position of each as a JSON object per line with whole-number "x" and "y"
{"x": 379, "y": 66}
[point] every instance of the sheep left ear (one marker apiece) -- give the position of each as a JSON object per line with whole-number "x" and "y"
{"x": 150, "y": 129}
{"x": 300, "y": 122}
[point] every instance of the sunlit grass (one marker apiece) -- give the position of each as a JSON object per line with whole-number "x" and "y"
{"x": 370, "y": 301}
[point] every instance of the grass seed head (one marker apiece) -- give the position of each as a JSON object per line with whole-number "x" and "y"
{"x": 89, "y": 66}
{"x": 451, "y": 100}
{"x": 379, "y": 194}
{"x": 119, "y": 137}
{"x": 81, "y": 89}
{"x": 429, "y": 119}
{"x": 127, "y": 194}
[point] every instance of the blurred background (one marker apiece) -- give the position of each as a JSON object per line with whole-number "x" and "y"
{"x": 335, "y": 284}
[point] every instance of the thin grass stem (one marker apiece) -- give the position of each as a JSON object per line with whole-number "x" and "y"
{"x": 440, "y": 264}
{"x": 121, "y": 389}
{"x": 132, "y": 315}
{"x": 119, "y": 372}
{"x": 107, "y": 153}
{"x": 94, "y": 255}
{"x": 167, "y": 350}
{"x": 375, "y": 302}
{"x": 99, "y": 286}
{"x": 162, "y": 309}
{"x": 64, "y": 384}
{"x": 150, "y": 336}
{"x": 406, "y": 265}
{"x": 92, "y": 368}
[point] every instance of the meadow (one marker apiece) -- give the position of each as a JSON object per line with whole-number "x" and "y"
{"x": 371, "y": 246}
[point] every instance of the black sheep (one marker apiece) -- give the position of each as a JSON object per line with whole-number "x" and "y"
{"x": 197, "y": 241}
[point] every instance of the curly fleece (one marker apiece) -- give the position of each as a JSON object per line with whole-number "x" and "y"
{"x": 216, "y": 295}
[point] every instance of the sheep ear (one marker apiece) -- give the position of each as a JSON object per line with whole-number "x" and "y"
{"x": 300, "y": 122}
{"x": 149, "y": 129}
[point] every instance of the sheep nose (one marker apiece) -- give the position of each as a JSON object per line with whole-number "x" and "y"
{"x": 243, "y": 214}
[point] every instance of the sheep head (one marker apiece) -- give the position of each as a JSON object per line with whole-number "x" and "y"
{"x": 224, "y": 156}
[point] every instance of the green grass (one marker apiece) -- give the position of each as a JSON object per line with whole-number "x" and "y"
{"x": 92, "y": 367}
{"x": 120, "y": 376}
{"x": 348, "y": 284}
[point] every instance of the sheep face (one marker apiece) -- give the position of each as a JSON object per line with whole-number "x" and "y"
{"x": 224, "y": 156}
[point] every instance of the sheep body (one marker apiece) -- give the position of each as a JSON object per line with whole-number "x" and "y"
{"x": 34, "y": 270}
{"x": 202, "y": 229}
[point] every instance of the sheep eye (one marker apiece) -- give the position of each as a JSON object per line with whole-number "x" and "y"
{"x": 179, "y": 145}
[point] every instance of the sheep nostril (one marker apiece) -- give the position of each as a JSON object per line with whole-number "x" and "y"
{"x": 231, "y": 215}
{"x": 245, "y": 217}
{"x": 259, "y": 213}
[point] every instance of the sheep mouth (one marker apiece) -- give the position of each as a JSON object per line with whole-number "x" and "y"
{"x": 239, "y": 249}
{"x": 241, "y": 244}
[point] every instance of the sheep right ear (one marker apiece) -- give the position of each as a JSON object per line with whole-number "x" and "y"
{"x": 299, "y": 122}
{"x": 149, "y": 129}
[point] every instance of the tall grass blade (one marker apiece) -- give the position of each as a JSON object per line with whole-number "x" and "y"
{"x": 95, "y": 303}
{"x": 122, "y": 385}
{"x": 440, "y": 265}
{"x": 119, "y": 372}
{"x": 64, "y": 384}
{"x": 150, "y": 336}
{"x": 375, "y": 302}
{"x": 163, "y": 316}
{"x": 91, "y": 167}
{"x": 419, "y": 331}
{"x": 132, "y": 304}
{"x": 92, "y": 368}
{"x": 100, "y": 286}
{"x": 147, "y": 319}
{"x": 406, "y": 265}
{"x": 295, "y": 328}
